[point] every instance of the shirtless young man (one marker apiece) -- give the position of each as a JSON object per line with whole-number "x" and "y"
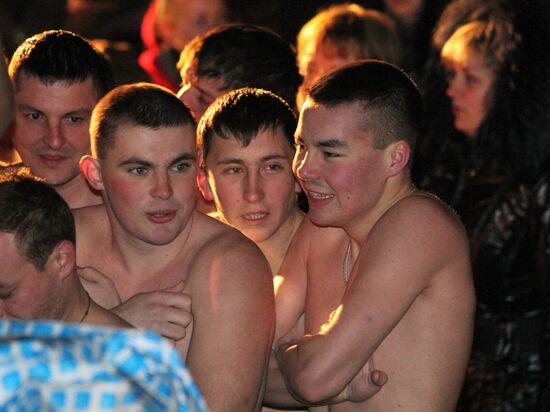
{"x": 38, "y": 277}
{"x": 246, "y": 147}
{"x": 403, "y": 290}
{"x": 58, "y": 77}
{"x": 148, "y": 237}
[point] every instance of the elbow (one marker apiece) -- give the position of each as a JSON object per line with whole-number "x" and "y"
{"x": 312, "y": 386}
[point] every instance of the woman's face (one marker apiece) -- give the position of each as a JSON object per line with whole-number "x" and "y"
{"x": 469, "y": 86}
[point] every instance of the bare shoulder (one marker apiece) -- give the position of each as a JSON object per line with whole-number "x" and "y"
{"x": 225, "y": 252}
{"x": 424, "y": 215}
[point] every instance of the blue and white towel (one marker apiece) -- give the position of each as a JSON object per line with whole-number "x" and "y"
{"x": 51, "y": 366}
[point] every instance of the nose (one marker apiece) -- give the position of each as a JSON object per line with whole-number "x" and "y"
{"x": 55, "y": 137}
{"x": 253, "y": 191}
{"x": 185, "y": 94}
{"x": 304, "y": 167}
{"x": 453, "y": 87}
{"x": 161, "y": 187}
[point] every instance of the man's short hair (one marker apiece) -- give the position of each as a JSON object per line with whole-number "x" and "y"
{"x": 242, "y": 114}
{"x": 140, "y": 104}
{"x": 61, "y": 56}
{"x": 36, "y": 214}
{"x": 244, "y": 55}
{"x": 391, "y": 101}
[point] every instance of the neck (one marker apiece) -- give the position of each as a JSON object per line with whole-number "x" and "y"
{"x": 276, "y": 246}
{"x": 77, "y": 193}
{"x": 78, "y": 302}
{"x": 396, "y": 190}
{"x": 138, "y": 256}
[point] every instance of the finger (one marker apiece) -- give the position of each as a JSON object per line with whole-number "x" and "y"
{"x": 176, "y": 316}
{"x": 175, "y": 299}
{"x": 169, "y": 330}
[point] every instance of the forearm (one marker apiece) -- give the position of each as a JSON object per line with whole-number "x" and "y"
{"x": 277, "y": 394}
{"x": 304, "y": 368}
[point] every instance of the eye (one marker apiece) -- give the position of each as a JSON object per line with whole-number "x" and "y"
{"x": 273, "y": 167}
{"x": 330, "y": 155}
{"x": 232, "y": 170}
{"x": 139, "y": 171}
{"x": 4, "y": 296}
{"x": 75, "y": 119}
{"x": 471, "y": 79}
{"x": 181, "y": 167}
{"x": 34, "y": 116}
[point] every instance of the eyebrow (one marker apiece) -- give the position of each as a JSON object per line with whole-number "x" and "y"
{"x": 81, "y": 110}
{"x": 331, "y": 143}
{"x": 142, "y": 162}
{"x": 263, "y": 159}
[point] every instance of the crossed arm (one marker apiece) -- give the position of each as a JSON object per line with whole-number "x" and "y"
{"x": 387, "y": 277}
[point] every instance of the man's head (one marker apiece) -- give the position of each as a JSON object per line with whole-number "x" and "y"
{"x": 246, "y": 143}
{"x": 179, "y": 21}
{"x": 391, "y": 103}
{"x": 37, "y": 237}
{"x": 342, "y": 34}
{"x": 58, "y": 77}
{"x": 355, "y": 139}
{"x": 143, "y": 143}
{"x": 235, "y": 56}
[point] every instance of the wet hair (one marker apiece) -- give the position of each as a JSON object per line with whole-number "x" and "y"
{"x": 243, "y": 55}
{"x": 140, "y": 104}
{"x": 241, "y": 114}
{"x": 352, "y": 31}
{"x": 61, "y": 56}
{"x": 391, "y": 102}
{"x": 36, "y": 214}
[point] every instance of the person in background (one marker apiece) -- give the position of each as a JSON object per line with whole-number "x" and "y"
{"x": 491, "y": 163}
{"x": 38, "y": 276}
{"x": 166, "y": 29}
{"x": 342, "y": 34}
{"x": 233, "y": 56}
{"x": 58, "y": 77}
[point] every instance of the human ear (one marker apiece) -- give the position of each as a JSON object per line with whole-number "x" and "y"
{"x": 400, "y": 153}
{"x": 90, "y": 169}
{"x": 63, "y": 258}
{"x": 204, "y": 185}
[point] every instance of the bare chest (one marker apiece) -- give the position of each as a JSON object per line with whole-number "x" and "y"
{"x": 325, "y": 287}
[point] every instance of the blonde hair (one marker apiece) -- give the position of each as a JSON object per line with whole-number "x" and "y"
{"x": 352, "y": 31}
{"x": 495, "y": 40}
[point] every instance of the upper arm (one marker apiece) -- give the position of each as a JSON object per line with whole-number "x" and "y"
{"x": 403, "y": 254}
{"x": 233, "y": 311}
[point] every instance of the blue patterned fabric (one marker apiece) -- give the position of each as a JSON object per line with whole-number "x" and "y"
{"x": 69, "y": 367}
